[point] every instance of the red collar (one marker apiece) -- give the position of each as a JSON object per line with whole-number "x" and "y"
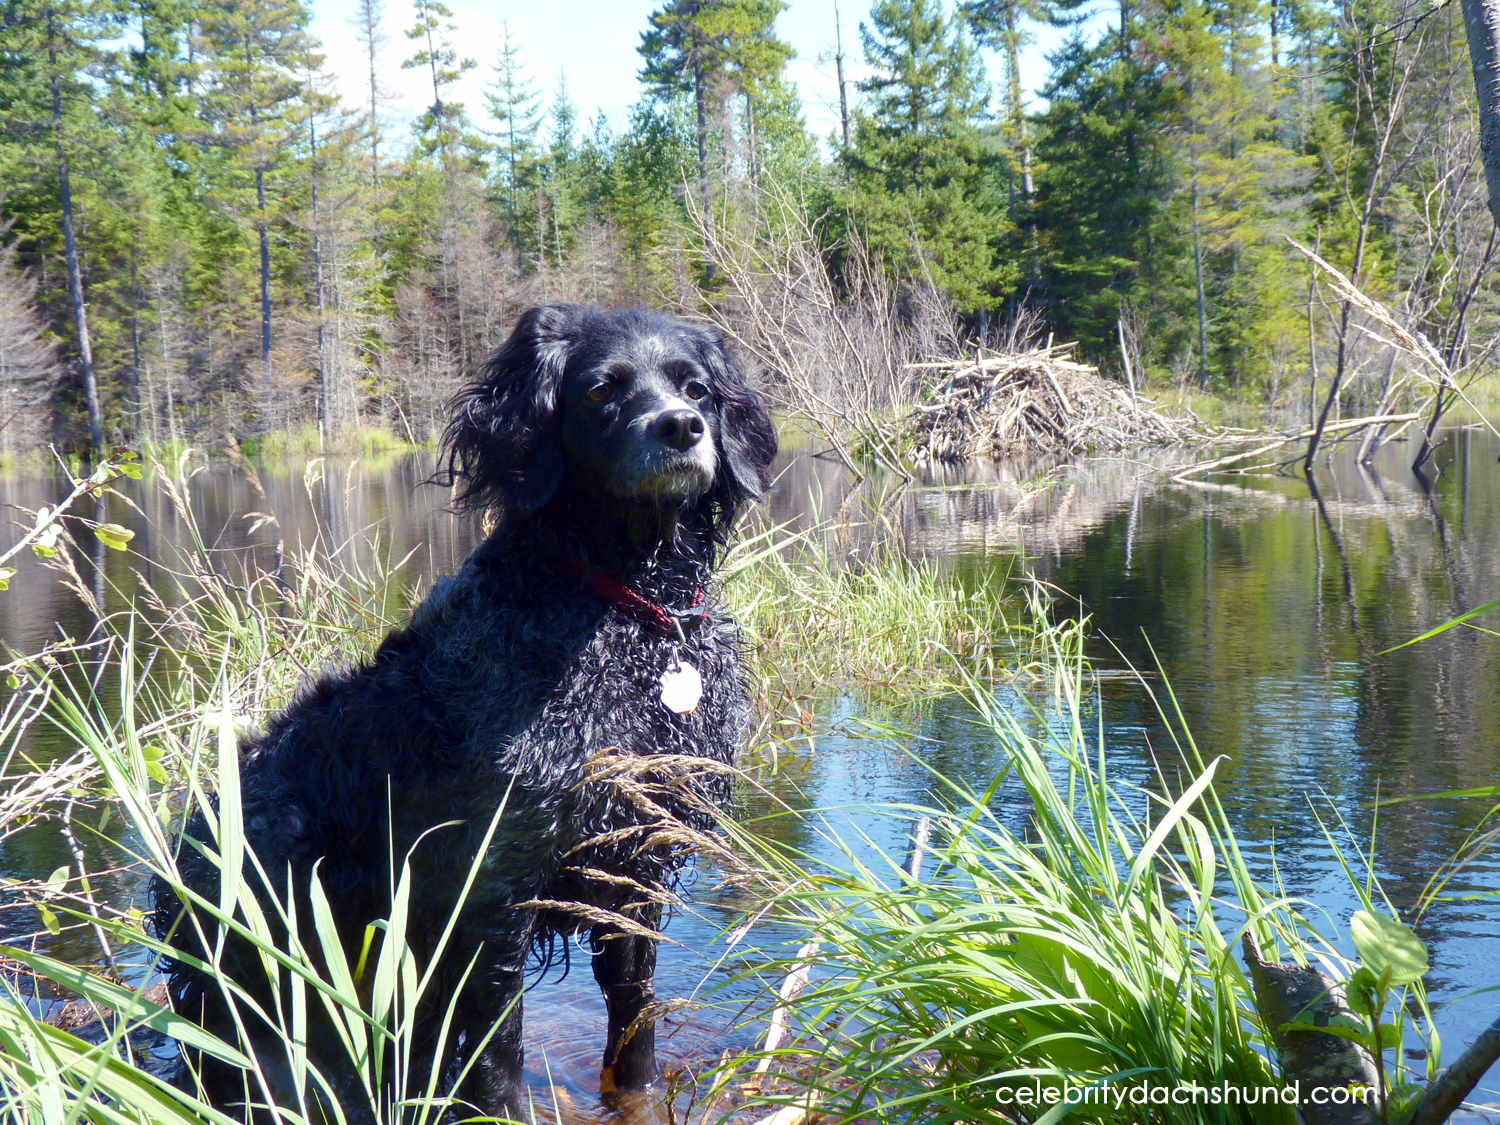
{"x": 660, "y": 620}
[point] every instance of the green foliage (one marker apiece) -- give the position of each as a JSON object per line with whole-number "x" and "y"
{"x": 1089, "y": 949}
{"x": 922, "y": 185}
{"x": 1178, "y": 145}
{"x": 441, "y": 127}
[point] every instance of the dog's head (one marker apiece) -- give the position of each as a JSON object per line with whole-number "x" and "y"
{"x": 639, "y": 406}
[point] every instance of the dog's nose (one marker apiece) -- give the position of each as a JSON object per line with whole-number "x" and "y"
{"x": 681, "y": 429}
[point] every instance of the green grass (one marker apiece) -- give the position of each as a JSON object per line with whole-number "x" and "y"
{"x": 876, "y": 621}
{"x": 362, "y": 441}
{"x": 1084, "y": 942}
{"x": 1091, "y": 947}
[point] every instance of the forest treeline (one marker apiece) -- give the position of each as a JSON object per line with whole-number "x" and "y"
{"x": 200, "y": 235}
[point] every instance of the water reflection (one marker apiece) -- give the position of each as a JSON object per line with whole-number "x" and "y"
{"x": 1269, "y": 607}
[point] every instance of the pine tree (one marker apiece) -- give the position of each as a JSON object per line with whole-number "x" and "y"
{"x": 255, "y": 55}
{"x": 47, "y": 51}
{"x": 1001, "y": 24}
{"x": 754, "y": 57}
{"x": 516, "y": 109}
{"x": 681, "y": 57}
{"x": 441, "y": 127}
{"x": 567, "y": 206}
{"x": 369, "y": 30}
{"x": 918, "y": 158}
{"x": 1105, "y": 180}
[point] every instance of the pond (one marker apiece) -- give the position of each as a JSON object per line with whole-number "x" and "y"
{"x": 1267, "y": 606}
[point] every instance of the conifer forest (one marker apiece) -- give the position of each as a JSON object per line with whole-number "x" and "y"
{"x": 199, "y": 237}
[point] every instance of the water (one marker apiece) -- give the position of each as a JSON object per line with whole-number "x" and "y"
{"x": 1266, "y": 606}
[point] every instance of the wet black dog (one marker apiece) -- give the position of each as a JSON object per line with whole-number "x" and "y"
{"x": 615, "y": 448}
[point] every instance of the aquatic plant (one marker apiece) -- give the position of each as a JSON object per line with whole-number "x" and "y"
{"x": 1092, "y": 947}
{"x": 1072, "y": 949}
{"x": 873, "y": 618}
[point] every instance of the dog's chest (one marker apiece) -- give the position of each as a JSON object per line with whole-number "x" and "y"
{"x": 637, "y": 693}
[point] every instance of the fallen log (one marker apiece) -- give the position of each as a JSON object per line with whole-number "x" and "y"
{"x": 1313, "y": 1059}
{"x": 1235, "y": 458}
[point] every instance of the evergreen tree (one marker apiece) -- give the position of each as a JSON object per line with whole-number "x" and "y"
{"x": 369, "y": 30}
{"x": 441, "y": 127}
{"x": 918, "y": 167}
{"x": 567, "y": 204}
{"x": 682, "y": 57}
{"x": 516, "y": 109}
{"x": 255, "y": 55}
{"x": 755, "y": 59}
{"x": 1106, "y": 177}
{"x": 645, "y": 166}
{"x": 49, "y": 53}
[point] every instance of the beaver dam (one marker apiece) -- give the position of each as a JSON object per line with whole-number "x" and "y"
{"x": 1036, "y": 401}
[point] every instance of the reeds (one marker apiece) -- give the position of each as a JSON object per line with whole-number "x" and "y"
{"x": 1069, "y": 947}
{"x": 873, "y": 620}
{"x": 1065, "y": 935}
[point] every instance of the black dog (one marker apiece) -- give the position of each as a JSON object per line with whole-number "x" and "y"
{"x": 615, "y": 448}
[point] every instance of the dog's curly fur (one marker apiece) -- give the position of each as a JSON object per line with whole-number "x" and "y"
{"x": 508, "y": 679}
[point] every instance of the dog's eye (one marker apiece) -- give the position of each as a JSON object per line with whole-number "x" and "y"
{"x": 601, "y": 392}
{"x": 695, "y": 390}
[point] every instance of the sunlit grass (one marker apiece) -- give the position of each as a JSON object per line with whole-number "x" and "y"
{"x": 1063, "y": 931}
{"x": 1060, "y": 935}
{"x": 872, "y": 621}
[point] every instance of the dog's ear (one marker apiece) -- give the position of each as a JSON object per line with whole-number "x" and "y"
{"x": 503, "y": 443}
{"x": 746, "y": 432}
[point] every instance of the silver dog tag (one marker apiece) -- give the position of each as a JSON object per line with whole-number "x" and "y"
{"x": 681, "y": 687}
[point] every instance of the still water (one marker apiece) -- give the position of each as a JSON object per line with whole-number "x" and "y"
{"x": 1268, "y": 606}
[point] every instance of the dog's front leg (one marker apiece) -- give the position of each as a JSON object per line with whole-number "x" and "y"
{"x": 624, "y": 966}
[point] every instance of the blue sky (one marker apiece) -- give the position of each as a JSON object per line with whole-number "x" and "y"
{"x": 594, "y": 43}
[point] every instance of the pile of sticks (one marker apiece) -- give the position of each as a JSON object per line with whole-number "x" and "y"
{"x": 1041, "y": 400}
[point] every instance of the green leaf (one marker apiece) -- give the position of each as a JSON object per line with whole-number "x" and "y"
{"x": 104, "y": 819}
{"x": 6, "y": 574}
{"x": 57, "y": 880}
{"x": 129, "y": 469}
{"x": 49, "y": 920}
{"x": 153, "y": 755}
{"x": 1384, "y": 943}
{"x": 1446, "y": 625}
{"x": 113, "y": 535}
{"x": 13, "y": 681}
{"x": 1360, "y": 990}
{"x": 1442, "y": 794}
{"x": 131, "y": 1005}
{"x": 364, "y": 952}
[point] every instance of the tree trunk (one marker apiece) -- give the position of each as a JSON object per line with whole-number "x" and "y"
{"x": 708, "y": 212}
{"x": 70, "y": 246}
{"x": 265, "y": 267}
{"x": 135, "y": 349}
{"x": 323, "y": 389}
{"x": 265, "y": 299}
{"x": 838, "y": 63}
{"x": 1482, "y": 22}
{"x": 1202, "y": 303}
